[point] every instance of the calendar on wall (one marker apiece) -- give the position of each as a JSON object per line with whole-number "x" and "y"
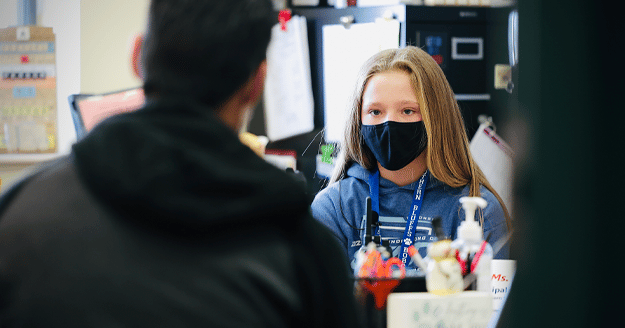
{"x": 28, "y": 110}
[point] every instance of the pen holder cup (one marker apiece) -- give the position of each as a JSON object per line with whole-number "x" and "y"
{"x": 371, "y": 295}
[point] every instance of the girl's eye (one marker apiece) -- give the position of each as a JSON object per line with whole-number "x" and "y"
{"x": 409, "y": 111}
{"x": 375, "y": 112}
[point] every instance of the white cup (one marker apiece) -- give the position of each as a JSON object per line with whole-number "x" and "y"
{"x": 502, "y": 272}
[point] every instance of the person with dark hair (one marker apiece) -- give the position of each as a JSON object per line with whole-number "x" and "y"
{"x": 162, "y": 217}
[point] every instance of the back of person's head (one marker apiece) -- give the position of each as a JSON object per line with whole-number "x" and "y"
{"x": 204, "y": 49}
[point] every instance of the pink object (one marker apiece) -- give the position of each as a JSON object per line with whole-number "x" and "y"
{"x": 95, "y": 109}
{"x": 283, "y": 17}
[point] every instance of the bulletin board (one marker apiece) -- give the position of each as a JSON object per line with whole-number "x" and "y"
{"x": 28, "y": 110}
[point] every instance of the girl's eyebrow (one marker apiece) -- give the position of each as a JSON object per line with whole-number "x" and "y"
{"x": 408, "y": 102}
{"x": 372, "y": 104}
{"x": 378, "y": 104}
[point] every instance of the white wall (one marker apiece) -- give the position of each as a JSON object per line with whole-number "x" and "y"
{"x": 64, "y": 18}
{"x": 8, "y": 13}
{"x": 107, "y": 30}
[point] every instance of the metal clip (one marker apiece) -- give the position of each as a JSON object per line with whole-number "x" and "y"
{"x": 485, "y": 119}
{"x": 347, "y": 21}
{"x": 510, "y": 87}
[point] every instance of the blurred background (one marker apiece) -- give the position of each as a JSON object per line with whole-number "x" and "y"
{"x": 559, "y": 110}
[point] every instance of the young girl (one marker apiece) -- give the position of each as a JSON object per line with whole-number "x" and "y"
{"x": 406, "y": 147}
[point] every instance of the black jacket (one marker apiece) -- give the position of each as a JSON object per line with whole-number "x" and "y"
{"x": 162, "y": 218}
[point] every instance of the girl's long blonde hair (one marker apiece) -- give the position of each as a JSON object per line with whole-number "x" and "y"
{"x": 448, "y": 157}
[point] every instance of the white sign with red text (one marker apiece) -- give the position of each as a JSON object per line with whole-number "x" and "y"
{"x": 502, "y": 272}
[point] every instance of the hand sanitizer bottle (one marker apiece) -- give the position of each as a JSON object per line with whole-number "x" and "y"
{"x": 473, "y": 253}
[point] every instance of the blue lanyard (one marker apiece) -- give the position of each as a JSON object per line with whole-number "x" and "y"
{"x": 413, "y": 219}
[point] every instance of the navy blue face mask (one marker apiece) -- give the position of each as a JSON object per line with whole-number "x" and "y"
{"x": 395, "y": 144}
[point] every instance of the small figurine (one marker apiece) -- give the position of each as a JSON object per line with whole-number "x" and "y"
{"x": 443, "y": 274}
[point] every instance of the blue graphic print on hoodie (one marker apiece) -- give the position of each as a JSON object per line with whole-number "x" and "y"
{"x": 343, "y": 214}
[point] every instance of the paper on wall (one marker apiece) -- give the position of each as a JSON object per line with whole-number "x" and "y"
{"x": 494, "y": 157}
{"x": 288, "y": 99}
{"x": 345, "y": 49}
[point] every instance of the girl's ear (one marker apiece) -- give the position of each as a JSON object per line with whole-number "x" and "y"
{"x": 135, "y": 59}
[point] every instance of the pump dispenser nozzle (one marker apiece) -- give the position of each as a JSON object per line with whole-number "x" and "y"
{"x": 469, "y": 229}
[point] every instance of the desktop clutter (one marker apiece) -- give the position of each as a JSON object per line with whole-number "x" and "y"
{"x": 457, "y": 277}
